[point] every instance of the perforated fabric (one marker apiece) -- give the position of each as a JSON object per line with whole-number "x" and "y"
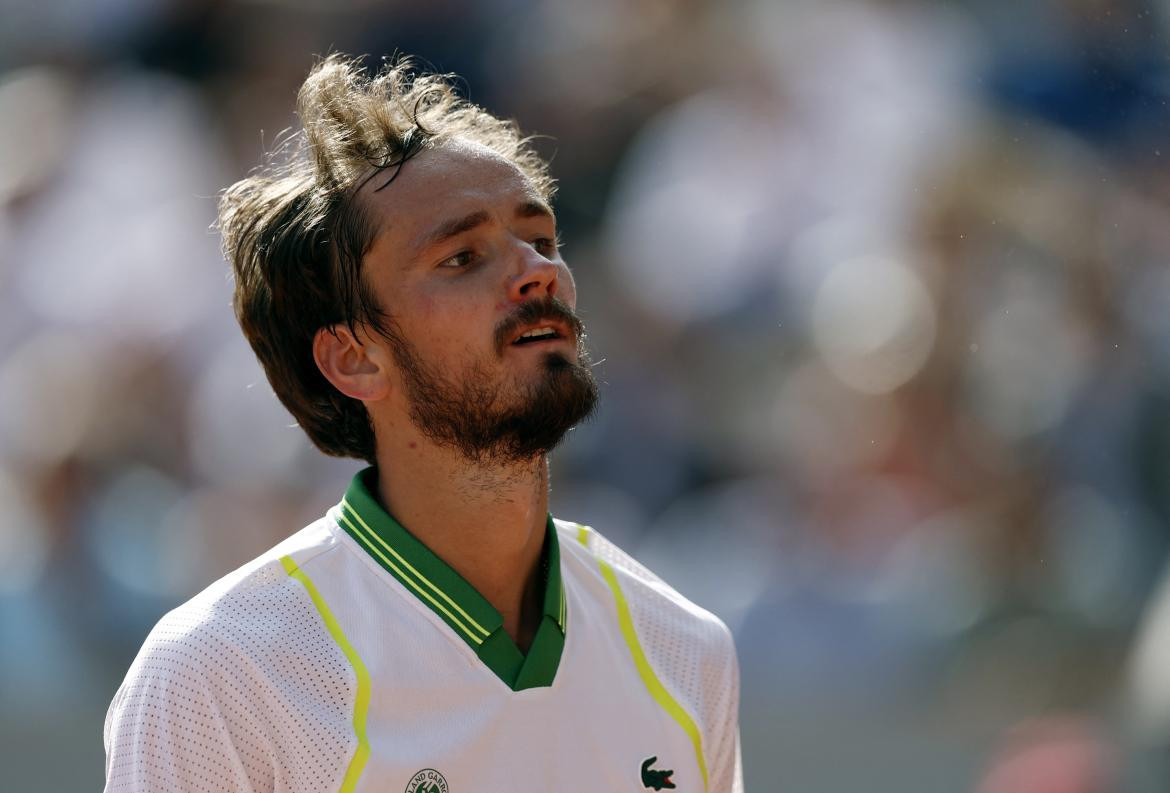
{"x": 248, "y": 688}
{"x": 241, "y": 688}
{"x": 692, "y": 653}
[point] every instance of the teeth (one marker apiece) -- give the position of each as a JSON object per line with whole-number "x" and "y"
{"x": 538, "y": 332}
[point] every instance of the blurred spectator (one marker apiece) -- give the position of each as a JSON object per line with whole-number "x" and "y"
{"x": 878, "y": 294}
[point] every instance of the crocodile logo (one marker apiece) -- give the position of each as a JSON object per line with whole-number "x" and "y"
{"x": 652, "y": 777}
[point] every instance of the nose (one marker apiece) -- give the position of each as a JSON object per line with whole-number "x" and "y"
{"x": 537, "y": 276}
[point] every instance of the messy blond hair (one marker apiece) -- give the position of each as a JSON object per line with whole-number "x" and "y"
{"x": 296, "y": 232}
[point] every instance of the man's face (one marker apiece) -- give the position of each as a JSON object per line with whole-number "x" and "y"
{"x": 489, "y": 356}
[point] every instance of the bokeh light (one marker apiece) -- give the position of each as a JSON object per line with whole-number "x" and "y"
{"x": 878, "y": 291}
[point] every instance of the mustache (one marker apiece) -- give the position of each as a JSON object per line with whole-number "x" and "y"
{"x": 534, "y": 311}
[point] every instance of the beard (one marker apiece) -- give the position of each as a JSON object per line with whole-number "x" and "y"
{"x": 488, "y": 421}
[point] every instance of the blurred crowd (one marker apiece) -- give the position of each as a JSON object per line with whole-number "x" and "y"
{"x": 880, "y": 298}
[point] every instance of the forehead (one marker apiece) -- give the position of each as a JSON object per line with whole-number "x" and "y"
{"x": 452, "y": 178}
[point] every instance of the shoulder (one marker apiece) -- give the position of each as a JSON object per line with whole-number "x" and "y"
{"x": 200, "y": 699}
{"x": 256, "y": 594}
{"x": 682, "y": 649}
{"x": 660, "y": 612}
{"x": 231, "y": 627}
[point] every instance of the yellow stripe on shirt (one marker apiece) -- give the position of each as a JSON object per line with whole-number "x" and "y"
{"x": 649, "y": 679}
{"x": 361, "y": 703}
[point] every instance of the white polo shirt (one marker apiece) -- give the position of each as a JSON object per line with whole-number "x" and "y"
{"x": 351, "y": 658}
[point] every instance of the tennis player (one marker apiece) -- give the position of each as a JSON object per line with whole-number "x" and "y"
{"x": 437, "y": 630}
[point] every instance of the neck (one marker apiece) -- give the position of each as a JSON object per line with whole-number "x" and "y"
{"x": 486, "y": 520}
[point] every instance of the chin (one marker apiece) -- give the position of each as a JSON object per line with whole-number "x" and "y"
{"x": 565, "y": 397}
{"x": 557, "y": 362}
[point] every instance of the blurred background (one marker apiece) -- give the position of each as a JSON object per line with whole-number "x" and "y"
{"x": 879, "y": 291}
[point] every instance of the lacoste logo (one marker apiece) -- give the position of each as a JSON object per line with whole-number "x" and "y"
{"x": 427, "y": 781}
{"x": 652, "y": 777}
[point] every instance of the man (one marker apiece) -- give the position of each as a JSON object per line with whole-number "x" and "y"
{"x": 437, "y": 630}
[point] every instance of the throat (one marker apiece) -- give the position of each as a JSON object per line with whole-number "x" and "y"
{"x": 521, "y": 623}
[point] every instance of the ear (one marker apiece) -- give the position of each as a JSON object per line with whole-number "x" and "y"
{"x": 349, "y": 365}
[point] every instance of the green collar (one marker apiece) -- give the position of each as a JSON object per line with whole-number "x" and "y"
{"x": 454, "y": 600}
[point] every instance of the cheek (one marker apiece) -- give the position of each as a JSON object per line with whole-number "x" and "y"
{"x": 451, "y": 325}
{"x": 567, "y": 287}
{"x": 435, "y": 311}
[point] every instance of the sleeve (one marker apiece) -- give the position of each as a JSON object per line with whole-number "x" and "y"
{"x": 165, "y": 729}
{"x": 726, "y": 772}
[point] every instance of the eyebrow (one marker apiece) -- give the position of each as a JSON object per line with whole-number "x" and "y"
{"x": 534, "y": 209}
{"x": 456, "y": 226}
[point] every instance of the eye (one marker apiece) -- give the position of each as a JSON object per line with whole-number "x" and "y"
{"x": 546, "y": 246}
{"x": 461, "y": 259}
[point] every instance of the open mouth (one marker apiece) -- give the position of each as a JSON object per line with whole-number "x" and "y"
{"x": 536, "y": 335}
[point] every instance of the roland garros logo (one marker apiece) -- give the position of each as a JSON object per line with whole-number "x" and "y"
{"x": 427, "y": 781}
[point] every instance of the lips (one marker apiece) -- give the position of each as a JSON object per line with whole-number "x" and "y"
{"x": 543, "y": 331}
{"x": 538, "y": 321}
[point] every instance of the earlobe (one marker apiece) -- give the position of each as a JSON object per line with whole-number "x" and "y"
{"x": 347, "y": 364}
